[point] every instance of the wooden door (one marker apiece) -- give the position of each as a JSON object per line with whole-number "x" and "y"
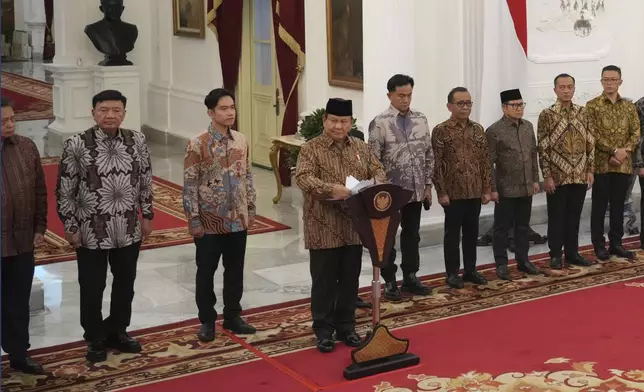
{"x": 267, "y": 103}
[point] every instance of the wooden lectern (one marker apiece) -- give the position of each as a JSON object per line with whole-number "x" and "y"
{"x": 375, "y": 212}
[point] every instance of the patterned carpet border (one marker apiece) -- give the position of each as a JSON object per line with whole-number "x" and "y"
{"x": 172, "y": 351}
{"x": 167, "y": 198}
{"x": 39, "y": 92}
{"x": 558, "y": 374}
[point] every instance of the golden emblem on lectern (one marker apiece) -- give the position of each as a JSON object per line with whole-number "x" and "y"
{"x": 382, "y": 201}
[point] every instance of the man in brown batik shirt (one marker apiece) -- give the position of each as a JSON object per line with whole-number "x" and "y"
{"x": 515, "y": 179}
{"x": 463, "y": 181}
{"x": 24, "y": 221}
{"x": 567, "y": 156}
{"x": 334, "y": 246}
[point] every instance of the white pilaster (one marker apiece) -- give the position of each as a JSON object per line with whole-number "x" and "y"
{"x": 125, "y": 79}
{"x": 72, "y": 45}
{"x": 72, "y": 98}
{"x": 389, "y": 48}
{"x": 35, "y": 23}
{"x": 474, "y": 19}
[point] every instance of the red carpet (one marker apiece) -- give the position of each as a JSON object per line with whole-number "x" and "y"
{"x": 582, "y": 330}
{"x": 32, "y": 98}
{"x": 170, "y": 224}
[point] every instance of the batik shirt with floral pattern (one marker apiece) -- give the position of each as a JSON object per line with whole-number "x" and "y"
{"x": 218, "y": 191}
{"x": 403, "y": 144}
{"x": 103, "y": 184}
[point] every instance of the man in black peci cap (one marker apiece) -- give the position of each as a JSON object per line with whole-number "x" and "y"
{"x": 334, "y": 246}
{"x": 515, "y": 179}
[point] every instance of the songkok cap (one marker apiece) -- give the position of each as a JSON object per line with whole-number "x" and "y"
{"x": 510, "y": 95}
{"x": 339, "y": 107}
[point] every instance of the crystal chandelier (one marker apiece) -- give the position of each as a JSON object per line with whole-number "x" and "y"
{"x": 583, "y": 9}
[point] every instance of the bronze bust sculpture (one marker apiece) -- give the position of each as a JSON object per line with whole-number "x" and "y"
{"x": 111, "y": 36}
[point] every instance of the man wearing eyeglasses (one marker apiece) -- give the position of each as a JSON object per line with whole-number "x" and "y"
{"x": 567, "y": 157}
{"x": 462, "y": 178}
{"x": 617, "y": 131}
{"x": 515, "y": 179}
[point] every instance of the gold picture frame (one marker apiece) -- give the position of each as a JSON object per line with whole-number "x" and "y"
{"x": 344, "y": 43}
{"x": 189, "y": 18}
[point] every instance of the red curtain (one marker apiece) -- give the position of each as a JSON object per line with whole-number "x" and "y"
{"x": 225, "y": 19}
{"x": 49, "y": 48}
{"x": 288, "y": 23}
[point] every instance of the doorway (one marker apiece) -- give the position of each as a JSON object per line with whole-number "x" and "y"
{"x": 261, "y": 102}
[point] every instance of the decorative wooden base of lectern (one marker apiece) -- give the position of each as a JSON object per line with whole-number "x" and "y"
{"x": 375, "y": 212}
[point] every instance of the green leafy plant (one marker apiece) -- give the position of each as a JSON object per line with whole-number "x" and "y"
{"x": 312, "y": 126}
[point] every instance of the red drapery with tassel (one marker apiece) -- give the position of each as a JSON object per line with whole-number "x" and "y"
{"x": 49, "y": 48}
{"x": 288, "y": 24}
{"x": 225, "y": 20}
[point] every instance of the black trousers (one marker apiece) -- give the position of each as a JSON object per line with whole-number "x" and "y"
{"x": 608, "y": 187}
{"x": 461, "y": 215}
{"x": 17, "y": 276}
{"x": 334, "y": 275}
{"x": 512, "y": 212}
{"x": 564, "y": 214}
{"x": 409, "y": 240}
{"x": 92, "y": 276}
{"x": 231, "y": 248}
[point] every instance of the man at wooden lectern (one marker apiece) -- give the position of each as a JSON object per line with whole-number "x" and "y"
{"x": 335, "y": 248}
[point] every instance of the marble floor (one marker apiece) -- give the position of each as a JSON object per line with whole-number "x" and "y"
{"x": 276, "y": 263}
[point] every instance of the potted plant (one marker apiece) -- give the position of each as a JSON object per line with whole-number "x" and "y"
{"x": 311, "y": 126}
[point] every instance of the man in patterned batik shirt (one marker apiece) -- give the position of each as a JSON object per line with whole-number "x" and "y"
{"x": 463, "y": 180}
{"x": 638, "y": 165}
{"x": 567, "y": 156}
{"x": 334, "y": 246}
{"x": 616, "y": 129}
{"x": 400, "y": 138}
{"x": 104, "y": 183}
{"x": 515, "y": 179}
{"x": 219, "y": 202}
{"x": 24, "y": 221}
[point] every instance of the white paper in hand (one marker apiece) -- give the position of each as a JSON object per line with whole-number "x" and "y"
{"x": 355, "y": 186}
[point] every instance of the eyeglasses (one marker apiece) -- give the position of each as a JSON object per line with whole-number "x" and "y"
{"x": 610, "y": 81}
{"x": 516, "y": 106}
{"x": 462, "y": 104}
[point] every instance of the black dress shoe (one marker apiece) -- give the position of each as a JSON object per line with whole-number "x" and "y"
{"x": 556, "y": 263}
{"x": 392, "y": 292}
{"x": 351, "y": 339}
{"x": 619, "y": 251}
{"x": 577, "y": 259}
{"x": 502, "y": 272}
{"x": 361, "y": 304}
{"x": 239, "y": 326}
{"x": 26, "y": 365}
{"x": 474, "y": 277}
{"x": 206, "y": 332}
{"x": 325, "y": 345}
{"x": 411, "y": 284}
{"x": 455, "y": 282}
{"x": 602, "y": 254}
{"x": 528, "y": 268}
{"x": 96, "y": 352}
{"x": 484, "y": 240}
{"x": 124, "y": 343}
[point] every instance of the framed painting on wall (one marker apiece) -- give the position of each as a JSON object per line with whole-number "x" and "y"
{"x": 189, "y": 18}
{"x": 344, "y": 43}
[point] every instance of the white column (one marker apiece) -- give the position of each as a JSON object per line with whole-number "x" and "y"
{"x": 389, "y": 48}
{"x": 35, "y": 23}
{"x": 125, "y": 79}
{"x": 474, "y": 18}
{"x": 72, "y": 45}
{"x": 72, "y": 99}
